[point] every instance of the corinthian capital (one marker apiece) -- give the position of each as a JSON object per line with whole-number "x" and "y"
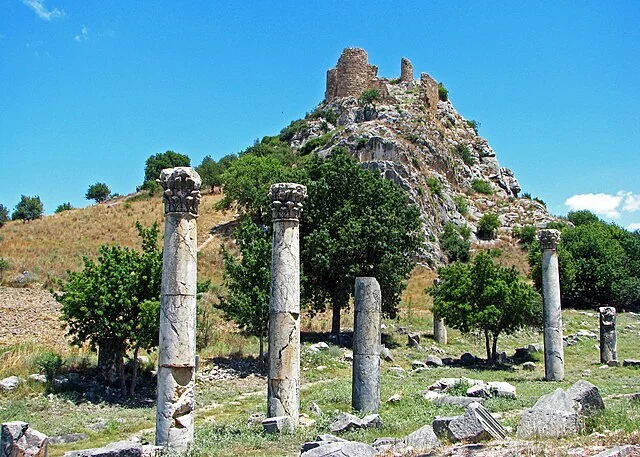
{"x": 549, "y": 238}
{"x": 181, "y": 190}
{"x": 286, "y": 200}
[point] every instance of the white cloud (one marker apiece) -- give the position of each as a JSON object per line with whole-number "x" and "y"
{"x": 602, "y": 204}
{"x": 84, "y": 34}
{"x": 43, "y": 13}
{"x": 634, "y": 226}
{"x": 631, "y": 202}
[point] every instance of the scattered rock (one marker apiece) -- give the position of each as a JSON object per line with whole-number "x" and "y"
{"x": 394, "y": 398}
{"x": 556, "y": 400}
{"x": 628, "y": 450}
{"x": 422, "y": 439}
{"x": 37, "y": 377}
{"x": 338, "y": 448}
{"x": 17, "y": 439}
{"x": 255, "y": 419}
{"x": 118, "y": 449}
{"x": 529, "y": 366}
{"x": 458, "y": 401}
{"x": 440, "y": 425}
{"x": 398, "y": 371}
{"x": 413, "y": 340}
{"x": 68, "y": 438}
{"x": 317, "y": 347}
{"x": 433, "y": 361}
{"x": 9, "y": 383}
{"x": 345, "y": 422}
{"x": 467, "y": 359}
{"x": 479, "y": 390}
{"x": 631, "y": 363}
{"x": 547, "y": 423}
{"x": 305, "y": 421}
{"x": 278, "y": 424}
{"x": 476, "y": 424}
{"x": 315, "y": 409}
{"x": 417, "y": 364}
{"x": 586, "y": 397}
{"x": 385, "y": 354}
{"x": 347, "y": 356}
{"x": 502, "y": 389}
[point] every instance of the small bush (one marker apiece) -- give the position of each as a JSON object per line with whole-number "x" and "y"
{"x": 50, "y": 363}
{"x": 434, "y": 185}
{"x": 394, "y": 81}
{"x": 465, "y": 154}
{"x": 474, "y": 125}
{"x": 151, "y": 187}
{"x": 362, "y": 142}
{"x": 526, "y": 196}
{"x": 64, "y": 207}
{"x": 315, "y": 143}
{"x": 443, "y": 93}
{"x": 455, "y": 242}
{"x": 461, "y": 204}
{"x": 539, "y": 200}
{"x": 4, "y": 266}
{"x": 369, "y": 96}
{"x": 526, "y": 234}
{"x": 488, "y": 225}
{"x": 4, "y": 215}
{"x": 482, "y": 187}
{"x": 287, "y": 133}
{"x": 328, "y": 114}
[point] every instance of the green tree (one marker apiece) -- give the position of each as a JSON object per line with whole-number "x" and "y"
{"x": 354, "y": 223}
{"x": 443, "y": 93}
{"x": 487, "y": 226}
{"x": 486, "y": 297}
{"x": 113, "y": 304}
{"x": 211, "y": 171}
{"x": 63, "y": 207}
{"x": 455, "y": 243}
{"x": 156, "y": 163}
{"x": 247, "y": 280}
{"x": 28, "y": 209}
{"x": 4, "y": 214}
{"x": 369, "y": 97}
{"x": 99, "y": 192}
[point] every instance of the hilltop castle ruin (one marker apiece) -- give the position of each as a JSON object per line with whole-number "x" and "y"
{"x": 353, "y": 75}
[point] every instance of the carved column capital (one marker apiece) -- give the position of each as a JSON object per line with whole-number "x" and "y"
{"x": 286, "y": 200}
{"x": 181, "y": 187}
{"x": 549, "y": 238}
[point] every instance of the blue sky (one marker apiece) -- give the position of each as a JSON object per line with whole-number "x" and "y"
{"x": 91, "y": 89}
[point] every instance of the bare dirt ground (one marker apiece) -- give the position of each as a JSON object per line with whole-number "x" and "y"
{"x": 30, "y": 314}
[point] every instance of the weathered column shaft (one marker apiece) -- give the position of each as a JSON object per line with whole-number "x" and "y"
{"x": 177, "y": 345}
{"x": 439, "y": 330}
{"x": 608, "y": 339}
{"x": 365, "y": 384}
{"x": 552, "y": 310}
{"x": 283, "y": 389}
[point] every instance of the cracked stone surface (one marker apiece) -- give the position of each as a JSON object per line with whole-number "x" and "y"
{"x": 177, "y": 345}
{"x": 608, "y": 339}
{"x": 283, "y": 385}
{"x": 365, "y": 390}
{"x": 552, "y": 311}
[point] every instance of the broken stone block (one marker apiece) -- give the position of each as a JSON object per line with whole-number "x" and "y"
{"x": 345, "y": 422}
{"x": 476, "y": 424}
{"x": 547, "y": 423}
{"x": 278, "y": 424}
{"x": 342, "y": 449}
{"x": 9, "y": 383}
{"x": 529, "y": 366}
{"x": 385, "y": 354}
{"x": 18, "y": 439}
{"x": 440, "y": 425}
{"x": 422, "y": 439}
{"x": 467, "y": 359}
{"x": 586, "y": 397}
{"x": 117, "y": 449}
{"x": 479, "y": 390}
{"x": 631, "y": 363}
{"x": 458, "y": 401}
{"x": 413, "y": 340}
{"x": 556, "y": 400}
{"x": 433, "y": 361}
{"x": 502, "y": 389}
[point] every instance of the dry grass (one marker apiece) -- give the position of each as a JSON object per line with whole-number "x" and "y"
{"x": 50, "y": 246}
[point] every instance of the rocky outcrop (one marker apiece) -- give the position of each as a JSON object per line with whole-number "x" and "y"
{"x": 422, "y": 144}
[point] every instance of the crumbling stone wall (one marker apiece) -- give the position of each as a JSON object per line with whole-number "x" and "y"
{"x": 429, "y": 89}
{"x": 353, "y": 75}
{"x": 406, "y": 70}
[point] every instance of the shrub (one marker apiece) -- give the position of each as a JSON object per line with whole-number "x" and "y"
{"x": 526, "y": 196}
{"x": 98, "y": 192}
{"x": 461, "y": 204}
{"x": 539, "y": 200}
{"x": 328, "y": 114}
{"x": 28, "y": 209}
{"x": 315, "y": 143}
{"x": 4, "y": 266}
{"x": 362, "y": 142}
{"x": 455, "y": 242}
{"x": 526, "y": 234}
{"x": 465, "y": 154}
{"x": 488, "y": 225}
{"x": 443, "y": 93}
{"x": 64, "y": 207}
{"x": 50, "y": 363}
{"x": 4, "y": 215}
{"x": 369, "y": 96}
{"x": 482, "y": 187}
{"x": 287, "y": 133}
{"x": 474, "y": 125}
{"x": 434, "y": 185}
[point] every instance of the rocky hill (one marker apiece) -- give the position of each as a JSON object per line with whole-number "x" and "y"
{"x": 404, "y": 129}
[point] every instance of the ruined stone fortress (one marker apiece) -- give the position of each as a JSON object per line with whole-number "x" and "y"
{"x": 353, "y": 75}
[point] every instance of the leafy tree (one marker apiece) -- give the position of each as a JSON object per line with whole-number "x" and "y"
{"x": 443, "y": 93}
{"x": 455, "y": 242}
{"x": 487, "y": 226}
{"x": 354, "y": 223}
{"x": 113, "y": 304}
{"x": 599, "y": 264}
{"x": 156, "y": 163}
{"x": 487, "y": 297}
{"x": 63, "y": 207}
{"x": 211, "y": 171}
{"x": 99, "y": 192}
{"x": 28, "y": 209}
{"x": 526, "y": 235}
{"x": 4, "y": 214}
{"x": 369, "y": 96}
{"x": 247, "y": 280}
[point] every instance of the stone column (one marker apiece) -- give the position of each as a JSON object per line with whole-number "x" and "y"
{"x": 406, "y": 70}
{"x": 365, "y": 385}
{"x": 552, "y": 311}
{"x": 608, "y": 340}
{"x": 283, "y": 388}
{"x": 439, "y": 330}
{"x": 177, "y": 348}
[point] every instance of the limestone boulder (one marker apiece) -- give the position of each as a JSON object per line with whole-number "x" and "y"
{"x": 547, "y": 423}
{"x": 340, "y": 448}
{"x": 476, "y": 424}
{"x": 278, "y": 424}
{"x": 345, "y": 422}
{"x": 17, "y": 439}
{"x": 117, "y": 449}
{"x": 586, "y": 397}
{"x": 422, "y": 439}
{"x": 10, "y": 383}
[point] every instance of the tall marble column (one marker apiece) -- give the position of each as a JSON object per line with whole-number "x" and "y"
{"x": 439, "y": 330}
{"x": 608, "y": 339}
{"x": 177, "y": 348}
{"x": 365, "y": 383}
{"x": 283, "y": 385}
{"x": 552, "y": 311}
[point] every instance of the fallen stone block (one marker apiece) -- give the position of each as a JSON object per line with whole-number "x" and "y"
{"x": 476, "y": 424}
{"x": 345, "y": 422}
{"x": 117, "y": 449}
{"x": 422, "y": 439}
{"x": 458, "y": 401}
{"x": 558, "y": 400}
{"x": 502, "y": 389}
{"x": 433, "y": 361}
{"x": 547, "y": 423}
{"x": 479, "y": 390}
{"x": 529, "y": 366}
{"x": 467, "y": 359}
{"x": 586, "y": 397}
{"x": 628, "y": 450}
{"x": 631, "y": 363}
{"x": 18, "y": 439}
{"x": 68, "y": 438}
{"x": 440, "y": 425}
{"x": 10, "y": 383}
{"x": 278, "y": 424}
{"x": 342, "y": 449}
